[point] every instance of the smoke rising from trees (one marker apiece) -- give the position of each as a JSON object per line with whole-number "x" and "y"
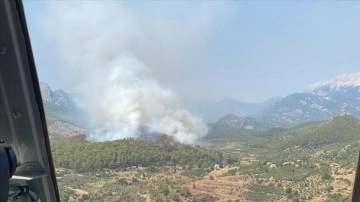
{"x": 118, "y": 61}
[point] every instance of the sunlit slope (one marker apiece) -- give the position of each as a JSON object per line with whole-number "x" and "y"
{"x": 340, "y": 129}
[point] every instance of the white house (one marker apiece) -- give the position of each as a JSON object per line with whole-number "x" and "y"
{"x": 272, "y": 166}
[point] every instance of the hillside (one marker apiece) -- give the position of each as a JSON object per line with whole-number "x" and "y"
{"x": 340, "y": 129}
{"x": 313, "y": 161}
{"x": 80, "y": 155}
{"x": 60, "y": 106}
{"x": 339, "y": 136}
{"x": 234, "y": 128}
{"x": 63, "y": 116}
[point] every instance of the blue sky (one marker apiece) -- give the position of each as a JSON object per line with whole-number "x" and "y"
{"x": 250, "y": 51}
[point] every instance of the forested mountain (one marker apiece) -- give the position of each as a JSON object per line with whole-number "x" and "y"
{"x": 340, "y": 129}
{"x": 76, "y": 153}
{"x": 240, "y": 122}
{"x": 302, "y": 156}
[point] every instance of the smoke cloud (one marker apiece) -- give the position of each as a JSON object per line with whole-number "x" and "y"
{"x": 118, "y": 61}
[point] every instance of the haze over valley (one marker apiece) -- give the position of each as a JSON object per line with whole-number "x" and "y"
{"x": 320, "y": 101}
{"x": 200, "y": 101}
{"x": 300, "y": 147}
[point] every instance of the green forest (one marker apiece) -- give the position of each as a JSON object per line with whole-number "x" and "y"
{"x": 83, "y": 156}
{"x": 340, "y": 129}
{"x": 314, "y": 159}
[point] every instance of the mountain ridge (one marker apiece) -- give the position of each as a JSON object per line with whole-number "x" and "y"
{"x": 320, "y": 101}
{"x": 58, "y": 98}
{"x": 63, "y": 116}
{"x": 336, "y": 83}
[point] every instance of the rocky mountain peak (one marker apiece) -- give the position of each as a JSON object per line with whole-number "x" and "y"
{"x": 338, "y": 83}
{"x": 46, "y": 92}
{"x": 58, "y": 97}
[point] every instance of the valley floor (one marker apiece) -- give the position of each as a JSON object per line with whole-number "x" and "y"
{"x": 251, "y": 180}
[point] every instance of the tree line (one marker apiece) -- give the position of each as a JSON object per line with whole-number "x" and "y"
{"x": 82, "y": 156}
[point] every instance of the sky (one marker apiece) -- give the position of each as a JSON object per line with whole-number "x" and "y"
{"x": 205, "y": 51}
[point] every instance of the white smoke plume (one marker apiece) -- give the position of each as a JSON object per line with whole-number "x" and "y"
{"x": 112, "y": 57}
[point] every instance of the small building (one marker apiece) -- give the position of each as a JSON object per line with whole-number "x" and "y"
{"x": 218, "y": 166}
{"x": 272, "y": 166}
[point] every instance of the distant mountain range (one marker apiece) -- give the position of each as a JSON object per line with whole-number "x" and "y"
{"x": 320, "y": 101}
{"x": 338, "y": 96}
{"x": 236, "y": 107}
{"x": 245, "y": 123}
{"x": 337, "y": 130}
